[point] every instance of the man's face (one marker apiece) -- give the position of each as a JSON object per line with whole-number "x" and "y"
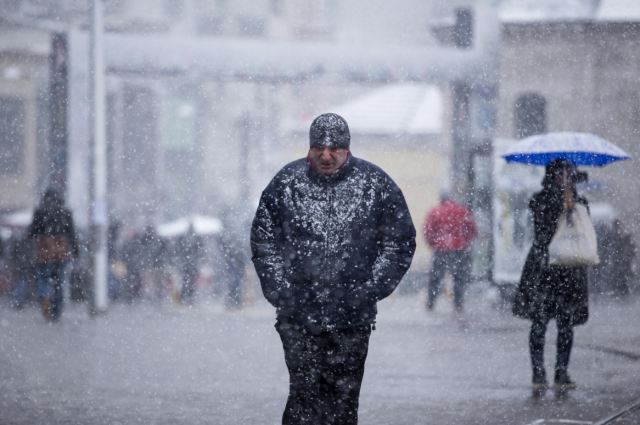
{"x": 327, "y": 160}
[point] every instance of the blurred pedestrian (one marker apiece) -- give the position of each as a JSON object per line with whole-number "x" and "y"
{"x": 236, "y": 256}
{"x": 548, "y": 291}
{"x": 449, "y": 230}
{"x": 188, "y": 252}
{"x": 332, "y": 236}
{"x": 132, "y": 264}
{"x": 23, "y": 262}
{"x": 114, "y": 281}
{"x": 153, "y": 256}
{"x": 54, "y": 232}
{"x": 624, "y": 252}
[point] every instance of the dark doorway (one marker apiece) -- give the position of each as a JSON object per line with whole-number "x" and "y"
{"x": 531, "y": 115}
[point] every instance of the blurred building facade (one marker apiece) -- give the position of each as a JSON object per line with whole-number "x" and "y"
{"x": 24, "y": 114}
{"x": 182, "y": 142}
{"x": 178, "y": 143}
{"x": 566, "y": 66}
{"x": 577, "y": 69}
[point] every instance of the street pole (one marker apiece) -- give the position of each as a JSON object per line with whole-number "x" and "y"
{"x": 59, "y": 96}
{"x": 99, "y": 164}
{"x": 463, "y": 39}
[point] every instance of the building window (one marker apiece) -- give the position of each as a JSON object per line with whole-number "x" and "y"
{"x": 174, "y": 8}
{"x": 531, "y": 115}
{"x": 313, "y": 19}
{"x": 276, "y": 7}
{"x": 210, "y": 25}
{"x": 250, "y": 26}
{"x": 139, "y": 135}
{"x": 11, "y": 135}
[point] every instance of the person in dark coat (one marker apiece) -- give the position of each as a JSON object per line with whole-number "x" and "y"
{"x": 153, "y": 256}
{"x": 133, "y": 263}
{"x": 552, "y": 292}
{"x": 624, "y": 250}
{"x": 114, "y": 287}
{"x": 54, "y": 232}
{"x": 235, "y": 255}
{"x": 332, "y": 236}
{"x": 188, "y": 250}
{"x": 24, "y": 264}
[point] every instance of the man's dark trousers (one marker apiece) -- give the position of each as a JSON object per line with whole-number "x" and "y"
{"x": 325, "y": 374}
{"x": 458, "y": 263}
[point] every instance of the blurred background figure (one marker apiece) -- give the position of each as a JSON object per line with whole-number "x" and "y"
{"x": 188, "y": 254}
{"x": 449, "y": 229}
{"x": 235, "y": 250}
{"x": 616, "y": 249}
{"x": 80, "y": 279}
{"x": 117, "y": 269}
{"x": 53, "y": 230}
{"x": 153, "y": 256}
{"x": 132, "y": 262}
{"x": 20, "y": 255}
{"x": 625, "y": 249}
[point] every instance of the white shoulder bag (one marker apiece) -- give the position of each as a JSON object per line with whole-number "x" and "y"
{"x": 575, "y": 243}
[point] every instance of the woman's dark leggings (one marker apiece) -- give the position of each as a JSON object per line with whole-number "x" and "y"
{"x": 564, "y": 344}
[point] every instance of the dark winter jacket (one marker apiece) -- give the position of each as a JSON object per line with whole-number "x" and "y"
{"x": 52, "y": 219}
{"x": 550, "y": 291}
{"x": 327, "y": 248}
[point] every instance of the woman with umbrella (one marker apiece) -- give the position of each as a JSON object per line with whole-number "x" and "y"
{"x": 549, "y": 291}
{"x": 552, "y": 292}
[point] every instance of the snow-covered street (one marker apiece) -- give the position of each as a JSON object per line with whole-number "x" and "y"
{"x": 162, "y": 364}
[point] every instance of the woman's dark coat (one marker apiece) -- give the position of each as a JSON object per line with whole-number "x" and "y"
{"x": 549, "y": 292}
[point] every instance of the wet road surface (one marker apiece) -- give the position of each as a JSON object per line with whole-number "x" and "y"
{"x": 156, "y": 363}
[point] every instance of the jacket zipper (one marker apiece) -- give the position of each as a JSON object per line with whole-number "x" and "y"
{"x": 328, "y": 258}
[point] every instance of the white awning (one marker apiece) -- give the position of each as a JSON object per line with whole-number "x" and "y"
{"x": 202, "y": 225}
{"x": 415, "y": 109}
{"x": 524, "y": 11}
{"x": 20, "y": 218}
{"x": 619, "y": 11}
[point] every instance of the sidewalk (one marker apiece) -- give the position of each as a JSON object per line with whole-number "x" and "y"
{"x": 436, "y": 369}
{"x": 161, "y": 364}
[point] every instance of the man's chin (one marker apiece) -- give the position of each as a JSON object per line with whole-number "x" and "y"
{"x": 325, "y": 170}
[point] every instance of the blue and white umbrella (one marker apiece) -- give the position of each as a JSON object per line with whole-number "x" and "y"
{"x": 577, "y": 148}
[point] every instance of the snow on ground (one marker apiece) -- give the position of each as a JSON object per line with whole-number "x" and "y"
{"x": 165, "y": 364}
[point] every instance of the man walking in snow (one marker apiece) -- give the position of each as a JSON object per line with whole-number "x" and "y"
{"x": 332, "y": 236}
{"x": 449, "y": 230}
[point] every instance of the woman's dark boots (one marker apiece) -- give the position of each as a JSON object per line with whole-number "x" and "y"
{"x": 536, "y": 348}
{"x": 539, "y": 382}
{"x": 562, "y": 380}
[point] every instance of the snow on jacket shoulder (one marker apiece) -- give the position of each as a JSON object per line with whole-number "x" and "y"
{"x": 450, "y": 227}
{"x": 327, "y": 248}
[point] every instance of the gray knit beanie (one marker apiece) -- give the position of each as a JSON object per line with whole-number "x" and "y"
{"x": 329, "y": 130}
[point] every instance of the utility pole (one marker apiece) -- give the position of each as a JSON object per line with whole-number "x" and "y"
{"x": 58, "y": 90}
{"x": 99, "y": 215}
{"x": 463, "y": 39}
{"x": 473, "y": 130}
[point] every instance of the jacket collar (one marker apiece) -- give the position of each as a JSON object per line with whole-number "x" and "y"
{"x": 339, "y": 175}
